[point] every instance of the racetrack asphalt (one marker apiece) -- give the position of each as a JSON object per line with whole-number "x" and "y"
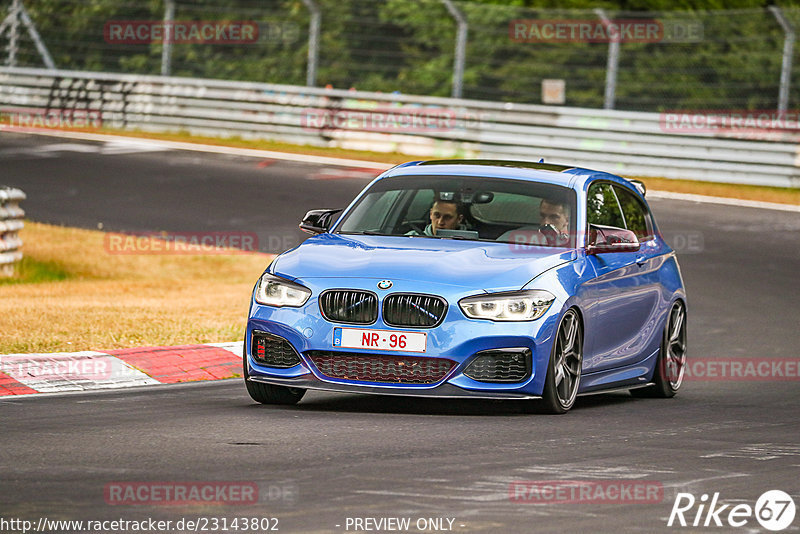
{"x": 335, "y": 457}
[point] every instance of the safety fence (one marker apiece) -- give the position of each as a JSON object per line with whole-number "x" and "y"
{"x": 597, "y": 58}
{"x": 751, "y": 148}
{"x": 10, "y": 224}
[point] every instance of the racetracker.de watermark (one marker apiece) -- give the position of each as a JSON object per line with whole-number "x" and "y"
{"x": 586, "y": 491}
{"x": 180, "y": 243}
{"x": 181, "y": 493}
{"x": 59, "y": 367}
{"x": 23, "y": 119}
{"x": 596, "y": 31}
{"x": 529, "y": 241}
{"x": 742, "y": 369}
{"x": 751, "y": 124}
{"x": 405, "y": 119}
{"x": 139, "y": 32}
{"x": 585, "y": 31}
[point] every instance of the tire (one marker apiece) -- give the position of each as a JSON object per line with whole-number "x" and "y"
{"x": 564, "y": 367}
{"x": 269, "y": 393}
{"x": 671, "y": 363}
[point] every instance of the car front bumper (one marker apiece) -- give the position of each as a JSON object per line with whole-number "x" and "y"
{"x": 458, "y": 339}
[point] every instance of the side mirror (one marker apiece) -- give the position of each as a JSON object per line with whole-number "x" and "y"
{"x": 604, "y": 239}
{"x": 318, "y": 221}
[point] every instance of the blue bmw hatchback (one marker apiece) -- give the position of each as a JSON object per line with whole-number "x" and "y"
{"x": 474, "y": 278}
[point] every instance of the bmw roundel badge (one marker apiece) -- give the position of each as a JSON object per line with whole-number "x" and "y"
{"x": 384, "y": 284}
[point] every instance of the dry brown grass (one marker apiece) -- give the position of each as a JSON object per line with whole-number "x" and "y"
{"x": 748, "y": 192}
{"x": 114, "y": 301}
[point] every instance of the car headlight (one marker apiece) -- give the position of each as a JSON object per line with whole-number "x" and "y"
{"x": 511, "y": 306}
{"x": 274, "y": 291}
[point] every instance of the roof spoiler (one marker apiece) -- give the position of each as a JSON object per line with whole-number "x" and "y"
{"x": 639, "y": 185}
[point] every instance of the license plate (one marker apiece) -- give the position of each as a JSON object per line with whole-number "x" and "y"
{"x": 359, "y": 338}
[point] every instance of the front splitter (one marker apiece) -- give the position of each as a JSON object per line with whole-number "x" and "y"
{"x": 441, "y": 391}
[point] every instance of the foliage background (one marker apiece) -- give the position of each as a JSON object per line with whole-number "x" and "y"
{"x": 408, "y": 46}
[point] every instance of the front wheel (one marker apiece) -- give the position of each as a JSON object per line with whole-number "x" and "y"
{"x": 671, "y": 362}
{"x": 564, "y": 368}
{"x": 269, "y": 393}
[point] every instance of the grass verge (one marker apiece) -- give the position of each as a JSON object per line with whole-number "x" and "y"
{"x": 779, "y": 195}
{"x": 71, "y": 294}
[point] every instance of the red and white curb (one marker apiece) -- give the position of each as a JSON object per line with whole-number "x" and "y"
{"x": 22, "y": 374}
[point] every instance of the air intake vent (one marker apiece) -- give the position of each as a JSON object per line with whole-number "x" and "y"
{"x": 416, "y": 311}
{"x": 500, "y": 365}
{"x": 381, "y": 369}
{"x": 273, "y": 351}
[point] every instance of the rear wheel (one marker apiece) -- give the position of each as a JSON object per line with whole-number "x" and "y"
{"x": 564, "y": 368}
{"x": 269, "y": 393}
{"x": 671, "y": 364}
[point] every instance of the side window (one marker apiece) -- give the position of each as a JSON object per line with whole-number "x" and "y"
{"x": 371, "y": 212}
{"x": 602, "y": 207}
{"x": 636, "y": 215}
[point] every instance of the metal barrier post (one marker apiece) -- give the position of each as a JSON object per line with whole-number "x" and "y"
{"x": 10, "y": 224}
{"x": 313, "y": 42}
{"x": 786, "y": 66}
{"x": 461, "y": 49}
{"x": 18, "y": 14}
{"x": 13, "y": 33}
{"x": 613, "y": 61}
{"x": 166, "y": 45}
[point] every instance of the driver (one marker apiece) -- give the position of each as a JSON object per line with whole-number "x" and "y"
{"x": 444, "y": 214}
{"x": 553, "y": 219}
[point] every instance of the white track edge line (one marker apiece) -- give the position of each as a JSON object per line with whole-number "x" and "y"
{"x": 344, "y": 162}
{"x": 217, "y": 149}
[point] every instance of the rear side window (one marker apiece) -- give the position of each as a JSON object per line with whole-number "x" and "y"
{"x": 636, "y": 214}
{"x": 602, "y": 206}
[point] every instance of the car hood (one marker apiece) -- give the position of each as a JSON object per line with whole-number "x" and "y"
{"x": 469, "y": 264}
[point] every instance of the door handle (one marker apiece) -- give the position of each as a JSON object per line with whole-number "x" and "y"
{"x": 641, "y": 260}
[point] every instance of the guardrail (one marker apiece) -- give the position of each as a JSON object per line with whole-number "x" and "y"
{"x": 10, "y": 224}
{"x": 628, "y": 143}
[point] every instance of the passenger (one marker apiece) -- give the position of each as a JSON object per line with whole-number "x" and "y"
{"x": 553, "y": 215}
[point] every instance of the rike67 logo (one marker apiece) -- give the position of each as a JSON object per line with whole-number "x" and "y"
{"x": 774, "y": 510}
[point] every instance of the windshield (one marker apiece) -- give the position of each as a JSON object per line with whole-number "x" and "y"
{"x": 470, "y": 208}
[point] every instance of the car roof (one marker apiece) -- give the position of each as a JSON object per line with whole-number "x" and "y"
{"x": 564, "y": 175}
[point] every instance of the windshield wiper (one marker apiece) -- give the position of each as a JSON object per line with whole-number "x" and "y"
{"x": 364, "y": 232}
{"x": 459, "y": 237}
